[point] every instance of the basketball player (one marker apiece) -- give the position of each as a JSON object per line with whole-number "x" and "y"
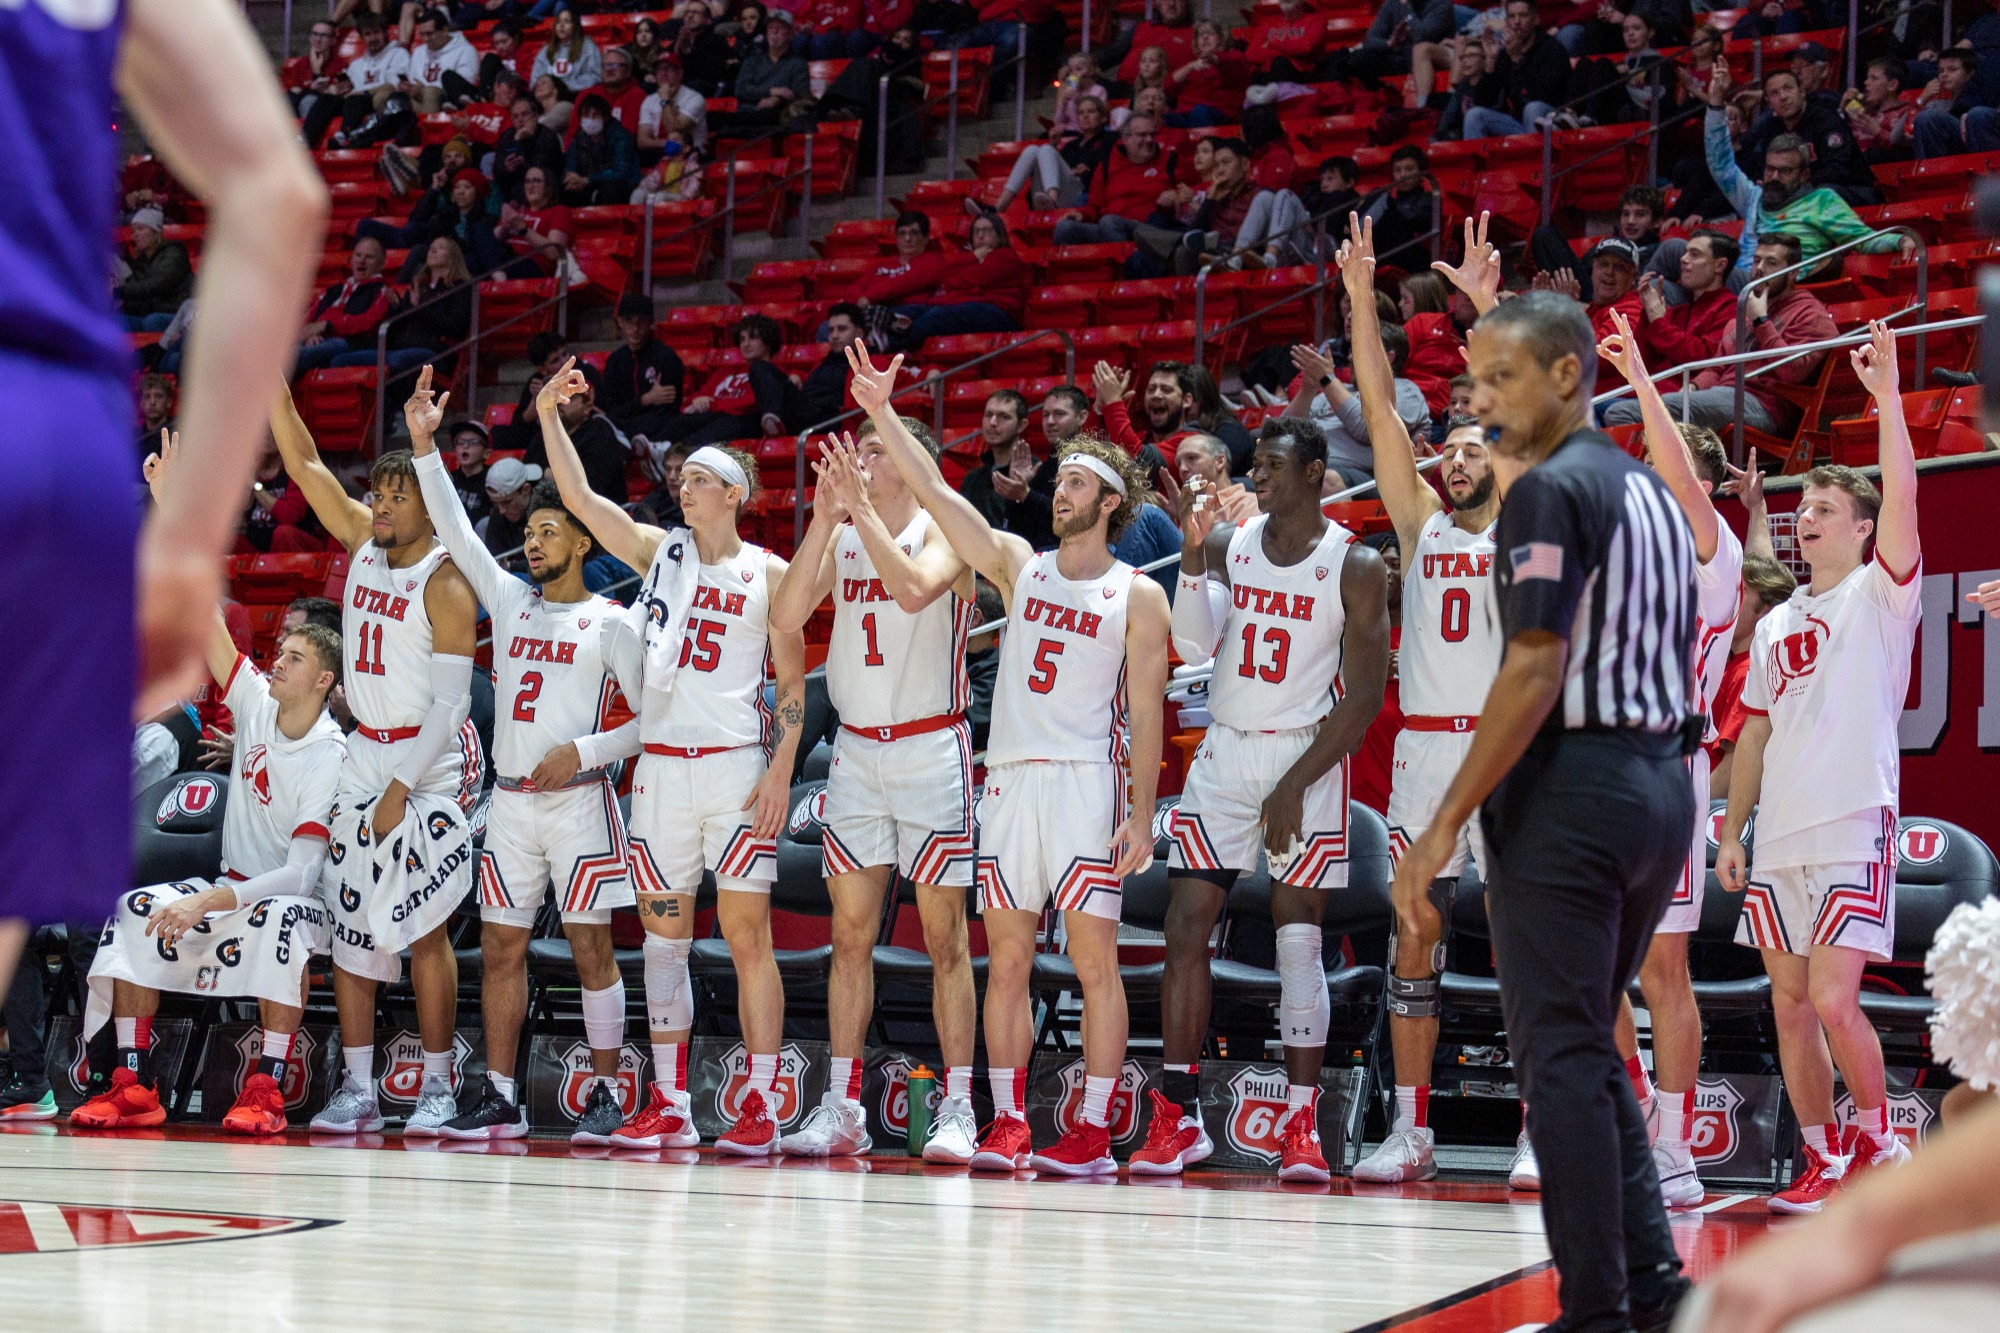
{"x": 554, "y": 818}
{"x": 1449, "y": 653}
{"x": 400, "y": 857}
{"x": 1828, "y": 672}
{"x": 714, "y": 782}
{"x": 251, "y": 931}
{"x": 899, "y": 792}
{"x": 1690, "y": 460}
{"x": 1295, "y": 616}
{"x": 202, "y": 90}
{"x": 1086, "y": 648}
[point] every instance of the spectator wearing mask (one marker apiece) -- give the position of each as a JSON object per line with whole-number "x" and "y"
{"x": 525, "y": 143}
{"x": 984, "y": 291}
{"x": 569, "y": 55}
{"x": 1954, "y": 116}
{"x": 752, "y": 399}
{"x": 825, "y": 390}
{"x": 344, "y": 317}
{"x": 1015, "y": 486}
{"x": 470, "y": 453}
{"x": 644, "y": 377}
{"x": 158, "y": 275}
{"x": 773, "y": 84}
{"x": 602, "y": 165}
{"x": 621, "y": 90}
{"x": 1782, "y": 314}
{"x": 444, "y": 69}
{"x": 1884, "y": 124}
{"x": 672, "y": 108}
{"x": 1528, "y": 75}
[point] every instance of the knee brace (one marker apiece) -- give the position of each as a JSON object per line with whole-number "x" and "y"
{"x": 604, "y": 1015}
{"x": 1443, "y": 894}
{"x": 1304, "y": 1008}
{"x": 669, "y": 993}
{"x": 1413, "y": 998}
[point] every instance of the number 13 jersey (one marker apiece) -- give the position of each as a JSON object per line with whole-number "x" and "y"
{"x": 1451, "y": 637}
{"x": 1278, "y": 666}
{"x": 1060, "y": 691}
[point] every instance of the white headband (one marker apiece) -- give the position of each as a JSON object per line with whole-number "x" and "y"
{"x": 720, "y": 463}
{"x": 1103, "y": 469}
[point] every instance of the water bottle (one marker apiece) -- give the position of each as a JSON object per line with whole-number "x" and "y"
{"x": 918, "y": 1086}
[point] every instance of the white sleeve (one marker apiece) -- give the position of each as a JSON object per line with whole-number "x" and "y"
{"x": 451, "y": 691}
{"x": 245, "y": 688}
{"x": 1199, "y": 612}
{"x": 496, "y": 588}
{"x": 605, "y": 747}
{"x": 298, "y": 876}
{"x": 1902, "y": 600}
{"x": 1719, "y": 583}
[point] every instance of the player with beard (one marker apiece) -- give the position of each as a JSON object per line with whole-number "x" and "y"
{"x": 714, "y": 782}
{"x": 400, "y": 857}
{"x": 554, "y": 817}
{"x": 1450, "y": 652}
{"x": 1691, "y": 461}
{"x": 1295, "y": 615}
{"x": 899, "y": 791}
{"x": 1085, "y": 648}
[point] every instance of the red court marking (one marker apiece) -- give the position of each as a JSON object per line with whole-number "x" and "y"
{"x": 31, "y": 1226}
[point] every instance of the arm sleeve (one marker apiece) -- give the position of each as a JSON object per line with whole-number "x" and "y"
{"x": 454, "y": 529}
{"x": 605, "y": 747}
{"x": 298, "y": 876}
{"x": 1198, "y": 616}
{"x": 1541, "y": 560}
{"x": 451, "y": 691}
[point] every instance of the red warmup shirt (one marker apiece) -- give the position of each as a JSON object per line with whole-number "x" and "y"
{"x": 729, "y": 391}
{"x": 898, "y": 280}
{"x": 1728, "y": 710}
{"x": 1118, "y": 428}
{"x": 1375, "y": 761}
{"x": 1693, "y": 331}
{"x": 1273, "y": 167}
{"x": 554, "y": 218}
{"x": 1436, "y": 356}
{"x": 1219, "y": 86}
{"x": 883, "y": 17}
{"x": 1628, "y": 305}
{"x": 1000, "y": 279}
{"x": 1301, "y": 40}
{"x": 1122, "y": 188}
{"x": 485, "y": 122}
{"x": 1177, "y": 42}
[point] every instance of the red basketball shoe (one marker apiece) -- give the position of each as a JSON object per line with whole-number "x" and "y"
{"x": 753, "y": 1134}
{"x": 1084, "y": 1151}
{"x": 129, "y": 1105}
{"x": 259, "y": 1109}
{"x": 1173, "y": 1140}
{"x": 1005, "y": 1147}
{"x": 664, "y": 1123}
{"x": 1809, "y": 1191}
{"x": 1300, "y": 1159}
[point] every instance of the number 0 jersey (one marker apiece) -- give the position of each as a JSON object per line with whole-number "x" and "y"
{"x": 1451, "y": 636}
{"x": 886, "y": 666}
{"x": 717, "y": 699}
{"x": 1060, "y": 692}
{"x": 1278, "y": 666}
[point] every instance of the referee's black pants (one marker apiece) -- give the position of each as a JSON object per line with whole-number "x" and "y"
{"x": 1588, "y": 834}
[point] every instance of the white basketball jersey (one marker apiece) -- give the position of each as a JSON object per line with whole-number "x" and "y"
{"x": 1832, "y": 672}
{"x": 1451, "y": 633}
{"x": 387, "y": 638}
{"x": 717, "y": 698}
{"x": 885, "y": 666}
{"x": 550, "y": 685}
{"x": 1060, "y": 691}
{"x": 1278, "y": 666}
{"x": 1718, "y": 587}
{"x": 278, "y": 788}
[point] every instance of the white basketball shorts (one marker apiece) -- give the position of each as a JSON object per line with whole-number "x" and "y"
{"x": 905, "y": 803}
{"x": 689, "y": 814}
{"x": 1424, "y": 765}
{"x": 1220, "y": 822}
{"x": 1045, "y": 831}
{"x": 573, "y": 840}
{"x": 1795, "y": 908}
{"x": 1684, "y": 908}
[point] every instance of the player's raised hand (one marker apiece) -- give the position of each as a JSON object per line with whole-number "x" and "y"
{"x": 160, "y": 464}
{"x": 424, "y": 413}
{"x": 1132, "y": 845}
{"x": 871, "y": 387}
{"x": 1875, "y": 362}
{"x": 1356, "y": 258}
{"x": 562, "y": 386}
{"x": 558, "y": 766}
{"x": 841, "y": 478}
{"x": 1478, "y": 273}
{"x": 1621, "y": 349}
{"x": 1746, "y": 484}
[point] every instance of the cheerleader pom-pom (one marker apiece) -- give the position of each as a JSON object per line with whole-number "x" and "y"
{"x": 1964, "y": 970}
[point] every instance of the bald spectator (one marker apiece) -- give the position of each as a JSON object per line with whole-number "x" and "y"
{"x": 158, "y": 275}
{"x": 345, "y": 317}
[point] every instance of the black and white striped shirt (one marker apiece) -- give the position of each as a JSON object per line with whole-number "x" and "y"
{"x": 1593, "y": 548}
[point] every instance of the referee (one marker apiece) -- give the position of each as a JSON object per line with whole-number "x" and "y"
{"x": 1587, "y": 803}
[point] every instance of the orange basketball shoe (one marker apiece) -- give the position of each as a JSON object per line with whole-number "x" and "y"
{"x": 259, "y": 1109}
{"x": 1300, "y": 1158}
{"x": 129, "y": 1105}
{"x": 753, "y": 1134}
{"x": 1006, "y": 1145}
{"x": 1084, "y": 1151}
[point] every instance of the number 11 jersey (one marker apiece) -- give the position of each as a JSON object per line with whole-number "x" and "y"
{"x": 1278, "y": 666}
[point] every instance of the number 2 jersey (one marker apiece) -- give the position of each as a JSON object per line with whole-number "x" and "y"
{"x": 1451, "y": 636}
{"x": 1278, "y": 665}
{"x": 1060, "y": 691}
{"x": 886, "y": 666}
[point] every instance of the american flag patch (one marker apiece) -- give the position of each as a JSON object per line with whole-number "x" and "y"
{"x": 1537, "y": 560}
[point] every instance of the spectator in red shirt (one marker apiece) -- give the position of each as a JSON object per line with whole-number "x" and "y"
{"x": 345, "y": 316}
{"x": 505, "y": 55}
{"x": 278, "y": 517}
{"x": 483, "y": 122}
{"x": 983, "y": 292}
{"x": 1614, "y": 280}
{"x": 1169, "y": 400}
{"x": 622, "y": 93}
{"x": 1375, "y": 760}
{"x": 1883, "y": 123}
{"x": 1134, "y": 185}
{"x": 824, "y": 27}
{"x": 1208, "y": 87}
{"x": 539, "y": 228}
{"x": 880, "y": 19}
{"x": 1272, "y": 165}
{"x": 310, "y": 78}
{"x": 1700, "y": 327}
{"x": 1437, "y": 338}
{"x": 916, "y": 270}
{"x": 1170, "y": 29}
{"x": 740, "y": 402}
{"x": 1290, "y": 47}
{"x": 1767, "y": 585}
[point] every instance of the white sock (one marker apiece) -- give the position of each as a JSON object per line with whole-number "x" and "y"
{"x": 1822, "y": 1139}
{"x": 670, "y": 1067}
{"x": 360, "y": 1064}
{"x": 437, "y": 1064}
{"x": 844, "y": 1078}
{"x": 763, "y": 1072}
{"x": 1411, "y": 1108}
{"x": 1097, "y": 1099}
{"x": 1007, "y": 1085}
{"x": 501, "y": 1084}
{"x": 1676, "y": 1114}
{"x": 1873, "y": 1122}
{"x": 1299, "y": 1094}
{"x": 958, "y": 1082}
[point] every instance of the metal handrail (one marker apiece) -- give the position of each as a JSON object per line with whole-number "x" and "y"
{"x": 727, "y": 213}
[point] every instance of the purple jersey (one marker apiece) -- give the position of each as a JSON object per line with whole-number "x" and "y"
{"x": 57, "y": 59}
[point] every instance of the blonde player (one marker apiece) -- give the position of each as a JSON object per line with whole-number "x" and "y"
{"x": 554, "y": 818}
{"x": 714, "y": 781}
{"x": 899, "y": 792}
{"x": 1086, "y": 648}
{"x": 1295, "y": 616}
{"x": 1691, "y": 462}
{"x": 400, "y": 859}
{"x": 1828, "y": 673}
{"x": 1449, "y": 654}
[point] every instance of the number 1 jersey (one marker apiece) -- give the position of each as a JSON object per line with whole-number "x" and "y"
{"x": 1278, "y": 666}
{"x": 886, "y": 666}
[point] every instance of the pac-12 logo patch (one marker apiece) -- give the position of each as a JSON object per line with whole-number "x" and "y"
{"x": 578, "y": 1074}
{"x": 1124, "y": 1101}
{"x": 193, "y": 796}
{"x": 1713, "y": 1133}
{"x": 1921, "y": 844}
{"x": 1257, "y": 1110}
{"x": 783, "y": 1103}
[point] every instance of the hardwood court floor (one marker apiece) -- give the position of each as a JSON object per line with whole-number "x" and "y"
{"x": 111, "y": 1232}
